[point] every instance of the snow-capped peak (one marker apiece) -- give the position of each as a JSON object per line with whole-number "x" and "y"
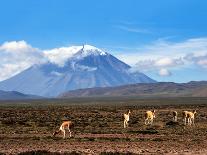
{"x": 91, "y": 50}
{"x": 60, "y": 55}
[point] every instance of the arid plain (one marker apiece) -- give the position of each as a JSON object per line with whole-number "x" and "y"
{"x": 26, "y": 127}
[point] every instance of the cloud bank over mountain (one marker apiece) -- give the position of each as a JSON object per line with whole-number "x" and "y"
{"x": 17, "y": 56}
{"x": 75, "y": 67}
{"x": 161, "y": 57}
{"x": 164, "y": 55}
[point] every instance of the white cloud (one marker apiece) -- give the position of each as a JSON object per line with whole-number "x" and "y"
{"x": 198, "y": 59}
{"x": 8, "y": 70}
{"x": 15, "y": 46}
{"x": 164, "y": 72}
{"x": 164, "y": 62}
{"x": 168, "y": 62}
{"x": 162, "y": 48}
{"x": 60, "y": 55}
{"x": 161, "y": 56}
{"x": 168, "y": 55}
{"x": 158, "y": 64}
{"x": 17, "y": 56}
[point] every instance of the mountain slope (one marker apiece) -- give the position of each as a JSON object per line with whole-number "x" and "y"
{"x": 87, "y": 67}
{"x": 161, "y": 89}
{"x": 202, "y": 92}
{"x": 13, "y": 95}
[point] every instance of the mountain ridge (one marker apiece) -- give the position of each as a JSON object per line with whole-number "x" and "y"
{"x": 14, "y": 95}
{"x": 87, "y": 67}
{"x": 159, "y": 89}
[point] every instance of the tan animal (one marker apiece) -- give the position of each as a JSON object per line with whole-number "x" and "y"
{"x": 65, "y": 125}
{"x": 184, "y": 114}
{"x": 175, "y": 116}
{"x": 191, "y": 117}
{"x": 149, "y": 116}
{"x": 126, "y": 119}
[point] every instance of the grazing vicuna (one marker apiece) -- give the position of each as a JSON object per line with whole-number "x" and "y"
{"x": 191, "y": 117}
{"x": 184, "y": 114}
{"x": 126, "y": 119}
{"x": 149, "y": 116}
{"x": 65, "y": 125}
{"x": 175, "y": 116}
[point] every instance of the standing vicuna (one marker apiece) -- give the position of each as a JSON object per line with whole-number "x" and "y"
{"x": 191, "y": 117}
{"x": 184, "y": 113}
{"x": 65, "y": 125}
{"x": 149, "y": 116}
{"x": 175, "y": 116}
{"x": 126, "y": 119}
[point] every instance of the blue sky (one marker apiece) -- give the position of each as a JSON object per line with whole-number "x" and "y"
{"x": 157, "y": 33}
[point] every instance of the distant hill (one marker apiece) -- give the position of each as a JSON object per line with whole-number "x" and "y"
{"x": 14, "y": 95}
{"x": 160, "y": 89}
{"x": 200, "y": 92}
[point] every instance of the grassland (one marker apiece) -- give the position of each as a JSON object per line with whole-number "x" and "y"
{"x": 28, "y": 126}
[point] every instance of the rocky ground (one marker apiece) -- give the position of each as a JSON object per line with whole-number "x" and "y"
{"x": 28, "y": 126}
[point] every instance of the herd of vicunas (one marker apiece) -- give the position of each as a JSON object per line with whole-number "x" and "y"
{"x": 188, "y": 119}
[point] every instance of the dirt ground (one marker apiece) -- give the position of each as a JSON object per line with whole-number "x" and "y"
{"x": 27, "y": 126}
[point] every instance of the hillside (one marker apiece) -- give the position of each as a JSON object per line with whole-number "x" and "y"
{"x": 13, "y": 95}
{"x": 160, "y": 89}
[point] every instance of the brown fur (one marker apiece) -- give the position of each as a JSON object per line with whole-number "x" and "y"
{"x": 191, "y": 117}
{"x": 149, "y": 116}
{"x": 65, "y": 125}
